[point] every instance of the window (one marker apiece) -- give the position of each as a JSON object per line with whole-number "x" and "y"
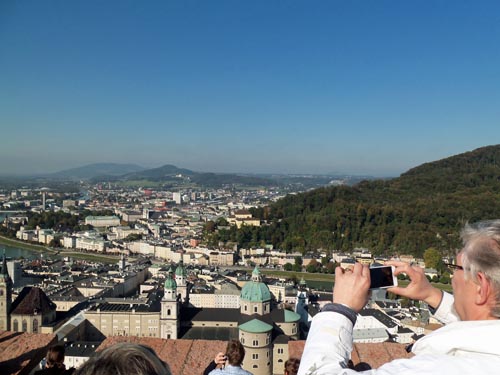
{"x": 255, "y": 356}
{"x": 255, "y": 342}
{"x": 25, "y": 326}
{"x": 255, "y": 309}
{"x": 168, "y": 312}
{"x": 255, "y": 366}
{"x": 16, "y": 326}
{"x": 280, "y": 350}
{"x": 246, "y": 307}
{"x": 35, "y": 325}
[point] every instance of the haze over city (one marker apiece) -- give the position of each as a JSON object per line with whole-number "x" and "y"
{"x": 258, "y": 87}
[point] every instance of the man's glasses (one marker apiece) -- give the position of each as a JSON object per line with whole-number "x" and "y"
{"x": 453, "y": 267}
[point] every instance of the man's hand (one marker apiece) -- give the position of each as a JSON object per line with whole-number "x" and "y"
{"x": 419, "y": 287}
{"x": 220, "y": 359}
{"x": 351, "y": 286}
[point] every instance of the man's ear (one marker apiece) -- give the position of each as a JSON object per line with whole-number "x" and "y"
{"x": 483, "y": 289}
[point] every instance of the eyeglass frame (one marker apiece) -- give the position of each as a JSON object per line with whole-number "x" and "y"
{"x": 454, "y": 267}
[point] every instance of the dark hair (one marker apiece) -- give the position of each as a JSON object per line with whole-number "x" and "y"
{"x": 235, "y": 352}
{"x": 55, "y": 356}
{"x": 124, "y": 359}
{"x": 292, "y": 366}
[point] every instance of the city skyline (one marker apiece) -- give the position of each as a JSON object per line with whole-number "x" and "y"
{"x": 247, "y": 87}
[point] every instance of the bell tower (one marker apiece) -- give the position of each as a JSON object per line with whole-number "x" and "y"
{"x": 5, "y": 296}
{"x": 169, "y": 319}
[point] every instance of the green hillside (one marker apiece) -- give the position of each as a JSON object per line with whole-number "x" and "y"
{"x": 424, "y": 207}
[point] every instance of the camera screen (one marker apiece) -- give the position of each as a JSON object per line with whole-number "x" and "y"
{"x": 381, "y": 277}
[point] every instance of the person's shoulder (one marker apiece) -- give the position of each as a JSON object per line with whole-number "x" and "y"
{"x": 55, "y": 371}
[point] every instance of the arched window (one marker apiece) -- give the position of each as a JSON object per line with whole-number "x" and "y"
{"x": 35, "y": 325}
{"x": 168, "y": 312}
{"x": 1, "y": 292}
{"x": 15, "y": 326}
{"x": 25, "y": 326}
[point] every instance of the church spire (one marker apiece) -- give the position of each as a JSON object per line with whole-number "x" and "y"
{"x": 4, "y": 271}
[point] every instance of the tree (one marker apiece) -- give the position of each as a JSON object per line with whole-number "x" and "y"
{"x": 313, "y": 266}
{"x": 432, "y": 258}
{"x": 209, "y": 227}
{"x": 288, "y": 266}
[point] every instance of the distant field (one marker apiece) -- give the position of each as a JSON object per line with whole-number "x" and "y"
{"x": 91, "y": 257}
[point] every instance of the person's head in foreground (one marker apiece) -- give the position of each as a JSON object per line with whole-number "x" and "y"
{"x": 55, "y": 356}
{"x": 125, "y": 359}
{"x": 292, "y": 366}
{"x": 235, "y": 353}
{"x": 476, "y": 277}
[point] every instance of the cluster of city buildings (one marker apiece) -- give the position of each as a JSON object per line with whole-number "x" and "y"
{"x": 166, "y": 285}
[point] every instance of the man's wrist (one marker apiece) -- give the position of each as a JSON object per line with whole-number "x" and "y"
{"x": 342, "y": 310}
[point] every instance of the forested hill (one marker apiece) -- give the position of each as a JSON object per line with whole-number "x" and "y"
{"x": 424, "y": 207}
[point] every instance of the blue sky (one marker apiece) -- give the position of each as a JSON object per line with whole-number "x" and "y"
{"x": 360, "y": 87}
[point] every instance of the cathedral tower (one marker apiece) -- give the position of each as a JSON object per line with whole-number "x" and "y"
{"x": 169, "y": 320}
{"x": 5, "y": 296}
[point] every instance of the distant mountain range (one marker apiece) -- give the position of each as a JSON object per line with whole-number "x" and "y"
{"x": 172, "y": 175}
{"x": 98, "y": 169}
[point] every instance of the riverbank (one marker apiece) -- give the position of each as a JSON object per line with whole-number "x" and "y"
{"x": 60, "y": 252}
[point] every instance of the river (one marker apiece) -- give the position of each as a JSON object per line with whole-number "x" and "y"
{"x": 16, "y": 252}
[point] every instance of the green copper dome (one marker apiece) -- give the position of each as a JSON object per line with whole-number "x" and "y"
{"x": 256, "y": 326}
{"x": 180, "y": 270}
{"x": 170, "y": 284}
{"x": 255, "y": 290}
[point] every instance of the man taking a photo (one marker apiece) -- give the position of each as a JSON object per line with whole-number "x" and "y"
{"x": 467, "y": 344}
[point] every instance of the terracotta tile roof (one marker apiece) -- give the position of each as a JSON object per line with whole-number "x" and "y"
{"x": 20, "y": 352}
{"x": 31, "y": 299}
{"x": 374, "y": 355}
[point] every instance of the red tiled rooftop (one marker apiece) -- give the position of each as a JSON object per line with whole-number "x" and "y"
{"x": 21, "y": 352}
{"x": 373, "y": 354}
{"x": 188, "y": 357}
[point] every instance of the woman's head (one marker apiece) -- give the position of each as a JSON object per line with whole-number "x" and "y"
{"x": 125, "y": 359}
{"x": 55, "y": 356}
{"x": 235, "y": 353}
{"x": 292, "y": 366}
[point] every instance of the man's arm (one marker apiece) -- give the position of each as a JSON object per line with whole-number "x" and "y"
{"x": 329, "y": 342}
{"x": 329, "y": 345}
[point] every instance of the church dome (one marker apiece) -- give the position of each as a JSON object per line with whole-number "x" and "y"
{"x": 180, "y": 270}
{"x": 170, "y": 284}
{"x": 255, "y": 290}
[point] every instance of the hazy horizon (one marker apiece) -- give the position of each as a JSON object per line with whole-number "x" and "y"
{"x": 360, "y": 88}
